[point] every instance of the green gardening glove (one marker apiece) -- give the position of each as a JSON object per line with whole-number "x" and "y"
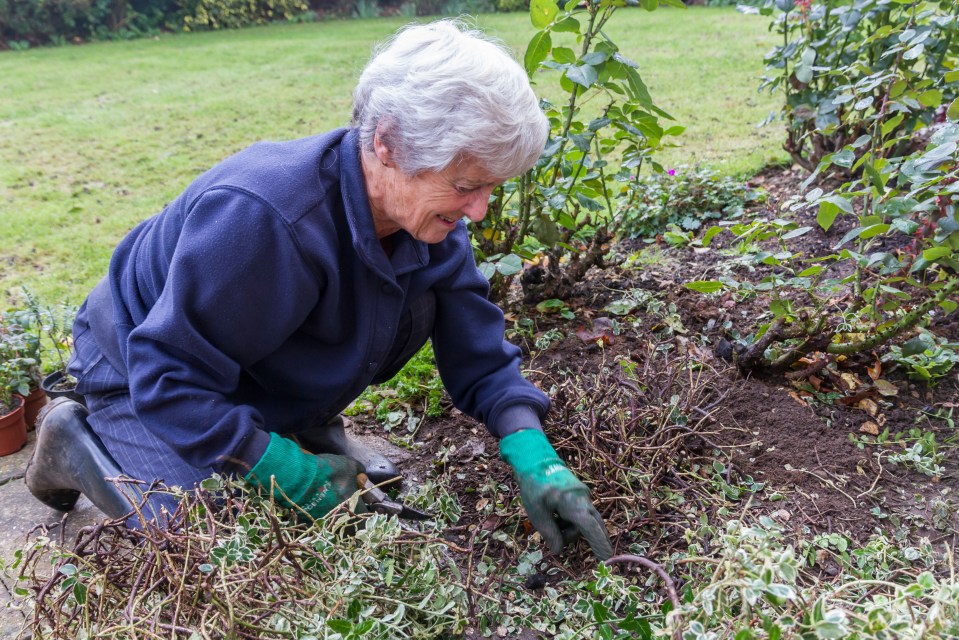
{"x": 303, "y": 481}
{"x": 556, "y": 502}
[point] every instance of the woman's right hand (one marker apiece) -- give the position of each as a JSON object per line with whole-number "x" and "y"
{"x": 306, "y": 483}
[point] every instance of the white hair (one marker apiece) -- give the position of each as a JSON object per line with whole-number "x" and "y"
{"x": 443, "y": 92}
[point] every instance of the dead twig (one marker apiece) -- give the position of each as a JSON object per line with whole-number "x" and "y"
{"x": 659, "y": 571}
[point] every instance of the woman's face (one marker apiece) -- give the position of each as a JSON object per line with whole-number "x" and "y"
{"x": 428, "y": 205}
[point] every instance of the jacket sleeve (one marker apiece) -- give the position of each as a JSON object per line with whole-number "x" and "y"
{"x": 480, "y": 369}
{"x": 236, "y": 288}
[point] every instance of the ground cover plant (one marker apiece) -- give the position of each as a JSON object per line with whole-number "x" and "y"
{"x": 820, "y": 505}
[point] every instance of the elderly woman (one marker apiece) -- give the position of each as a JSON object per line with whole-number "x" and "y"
{"x": 236, "y": 325}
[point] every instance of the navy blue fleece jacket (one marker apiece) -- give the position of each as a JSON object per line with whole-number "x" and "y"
{"x": 261, "y": 297}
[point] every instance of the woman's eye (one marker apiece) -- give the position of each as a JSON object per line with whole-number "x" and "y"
{"x": 465, "y": 190}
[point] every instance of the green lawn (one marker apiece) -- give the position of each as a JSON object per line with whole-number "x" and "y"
{"x": 95, "y": 138}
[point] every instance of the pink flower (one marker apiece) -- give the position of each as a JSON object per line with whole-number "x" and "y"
{"x": 671, "y": 172}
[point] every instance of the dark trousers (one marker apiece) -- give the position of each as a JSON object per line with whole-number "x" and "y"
{"x": 144, "y": 456}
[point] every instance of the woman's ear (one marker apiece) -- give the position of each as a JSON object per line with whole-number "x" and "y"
{"x": 381, "y": 148}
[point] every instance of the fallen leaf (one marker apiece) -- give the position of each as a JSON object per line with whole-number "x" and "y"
{"x": 795, "y": 396}
{"x": 851, "y": 380}
{"x": 886, "y": 388}
{"x": 856, "y": 398}
{"x": 869, "y": 406}
{"x": 869, "y": 427}
{"x": 875, "y": 370}
{"x": 601, "y": 332}
{"x": 482, "y": 503}
{"x": 816, "y": 382}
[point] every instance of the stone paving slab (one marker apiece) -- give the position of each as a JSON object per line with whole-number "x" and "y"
{"x": 20, "y": 513}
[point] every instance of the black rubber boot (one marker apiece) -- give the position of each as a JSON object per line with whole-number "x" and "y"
{"x": 332, "y": 438}
{"x": 69, "y": 459}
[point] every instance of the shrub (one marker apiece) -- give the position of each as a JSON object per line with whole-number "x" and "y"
{"x": 897, "y": 268}
{"x": 39, "y": 21}
{"x": 842, "y": 65}
{"x": 684, "y": 196}
{"x": 506, "y": 6}
{"x": 232, "y": 14}
{"x": 560, "y": 213}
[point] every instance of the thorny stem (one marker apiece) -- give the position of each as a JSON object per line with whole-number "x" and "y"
{"x": 571, "y": 106}
{"x": 906, "y": 322}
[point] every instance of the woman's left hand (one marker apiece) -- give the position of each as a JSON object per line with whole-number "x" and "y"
{"x": 556, "y": 502}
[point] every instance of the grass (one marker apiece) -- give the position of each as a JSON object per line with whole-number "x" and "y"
{"x": 98, "y": 137}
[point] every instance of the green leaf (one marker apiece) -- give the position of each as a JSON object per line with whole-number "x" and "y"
{"x": 934, "y": 253}
{"x": 842, "y": 202}
{"x": 649, "y": 5}
{"x": 564, "y": 55}
{"x": 594, "y": 58}
{"x": 875, "y": 178}
{"x": 510, "y": 265}
{"x": 545, "y": 230}
{"x": 873, "y": 231}
{"x": 589, "y": 203}
{"x": 340, "y": 626}
{"x": 780, "y": 308}
{"x": 844, "y": 158}
{"x": 953, "y": 111}
{"x": 931, "y": 98}
{"x": 542, "y": 12}
{"x": 914, "y": 52}
{"x": 705, "y": 286}
{"x": 804, "y": 71}
{"x": 637, "y": 88}
{"x": 795, "y": 233}
{"x": 569, "y": 24}
{"x": 80, "y": 592}
{"x": 488, "y": 270}
{"x": 828, "y": 211}
{"x": 583, "y": 75}
{"x": 917, "y": 345}
{"x": 551, "y": 305}
{"x": 536, "y": 51}
{"x": 710, "y": 233}
{"x": 905, "y": 226}
{"x": 952, "y": 76}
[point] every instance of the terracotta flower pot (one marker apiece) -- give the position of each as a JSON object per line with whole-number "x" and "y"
{"x": 34, "y": 402}
{"x": 13, "y": 430}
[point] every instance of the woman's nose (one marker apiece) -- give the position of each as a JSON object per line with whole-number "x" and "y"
{"x": 475, "y": 207}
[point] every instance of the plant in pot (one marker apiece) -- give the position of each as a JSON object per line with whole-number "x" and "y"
{"x": 14, "y": 385}
{"x": 21, "y": 339}
{"x": 54, "y": 326}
